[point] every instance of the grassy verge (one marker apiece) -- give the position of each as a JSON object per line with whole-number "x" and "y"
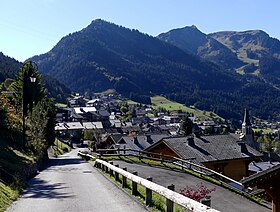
{"x": 61, "y": 148}
{"x": 7, "y": 195}
{"x": 192, "y": 172}
{"x": 14, "y": 160}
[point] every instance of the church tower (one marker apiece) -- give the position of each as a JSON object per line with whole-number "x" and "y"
{"x": 246, "y": 125}
{"x": 247, "y": 135}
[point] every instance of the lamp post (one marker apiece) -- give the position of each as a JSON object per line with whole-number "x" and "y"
{"x": 29, "y": 69}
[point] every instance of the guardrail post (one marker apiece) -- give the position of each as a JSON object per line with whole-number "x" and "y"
{"x": 148, "y": 199}
{"x": 106, "y": 169}
{"x": 160, "y": 157}
{"x": 111, "y": 170}
{"x": 116, "y": 173}
{"x": 96, "y": 164}
{"x": 206, "y": 201}
{"x": 134, "y": 185}
{"x": 169, "y": 203}
{"x": 124, "y": 184}
{"x": 124, "y": 150}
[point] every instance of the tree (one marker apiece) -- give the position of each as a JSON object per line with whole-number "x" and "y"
{"x": 186, "y": 126}
{"x": 42, "y": 123}
{"x": 24, "y": 89}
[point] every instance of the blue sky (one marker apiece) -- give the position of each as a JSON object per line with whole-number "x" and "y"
{"x": 32, "y": 27}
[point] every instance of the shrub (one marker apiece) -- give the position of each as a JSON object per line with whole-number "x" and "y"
{"x": 197, "y": 194}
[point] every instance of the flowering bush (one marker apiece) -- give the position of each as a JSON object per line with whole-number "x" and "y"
{"x": 197, "y": 194}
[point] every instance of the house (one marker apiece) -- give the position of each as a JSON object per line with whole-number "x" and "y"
{"x": 90, "y": 114}
{"x": 269, "y": 181}
{"x": 256, "y": 167}
{"x": 63, "y": 114}
{"x": 221, "y": 153}
{"x": 139, "y": 142}
{"x": 131, "y": 130}
{"x": 75, "y": 129}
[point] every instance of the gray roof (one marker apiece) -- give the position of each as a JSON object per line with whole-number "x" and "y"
{"x": 93, "y": 125}
{"x": 139, "y": 142}
{"x": 78, "y": 125}
{"x": 262, "y": 176}
{"x": 261, "y": 166}
{"x": 210, "y": 148}
{"x": 69, "y": 126}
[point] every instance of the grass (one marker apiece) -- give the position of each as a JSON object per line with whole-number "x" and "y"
{"x": 265, "y": 130}
{"x": 7, "y": 195}
{"x": 130, "y": 102}
{"x": 60, "y": 148}
{"x": 194, "y": 173}
{"x": 162, "y": 102}
{"x": 13, "y": 160}
{"x": 60, "y": 105}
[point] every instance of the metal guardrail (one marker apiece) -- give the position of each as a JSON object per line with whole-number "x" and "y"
{"x": 184, "y": 163}
{"x": 171, "y": 196}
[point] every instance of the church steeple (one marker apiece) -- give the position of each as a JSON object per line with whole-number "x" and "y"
{"x": 246, "y": 125}
{"x": 247, "y": 132}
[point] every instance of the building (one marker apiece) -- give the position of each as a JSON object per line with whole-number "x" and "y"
{"x": 221, "y": 153}
{"x": 247, "y": 134}
{"x": 269, "y": 181}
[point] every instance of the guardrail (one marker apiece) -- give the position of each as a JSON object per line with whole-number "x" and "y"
{"x": 183, "y": 163}
{"x": 170, "y": 195}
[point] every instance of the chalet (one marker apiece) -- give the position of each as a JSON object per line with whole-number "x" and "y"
{"x": 76, "y": 128}
{"x": 269, "y": 181}
{"x": 222, "y": 153}
{"x": 90, "y": 114}
{"x": 131, "y": 130}
{"x": 63, "y": 114}
{"x": 139, "y": 142}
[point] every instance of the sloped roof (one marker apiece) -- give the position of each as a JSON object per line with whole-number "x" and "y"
{"x": 142, "y": 141}
{"x": 93, "y": 125}
{"x": 267, "y": 175}
{"x": 69, "y": 126}
{"x": 78, "y": 125}
{"x": 81, "y": 110}
{"x": 210, "y": 148}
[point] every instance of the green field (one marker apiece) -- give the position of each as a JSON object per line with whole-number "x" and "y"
{"x": 160, "y": 101}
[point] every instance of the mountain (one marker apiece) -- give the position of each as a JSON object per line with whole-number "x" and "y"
{"x": 191, "y": 40}
{"x": 10, "y": 67}
{"x": 104, "y": 56}
{"x": 248, "y": 52}
{"x": 259, "y": 52}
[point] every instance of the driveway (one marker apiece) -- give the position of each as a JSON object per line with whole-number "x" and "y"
{"x": 221, "y": 199}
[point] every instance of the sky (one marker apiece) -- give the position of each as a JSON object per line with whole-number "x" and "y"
{"x": 33, "y": 27}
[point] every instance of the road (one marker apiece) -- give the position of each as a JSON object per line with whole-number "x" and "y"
{"x": 70, "y": 184}
{"x": 221, "y": 199}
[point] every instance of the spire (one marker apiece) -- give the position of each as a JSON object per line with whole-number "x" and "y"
{"x": 246, "y": 121}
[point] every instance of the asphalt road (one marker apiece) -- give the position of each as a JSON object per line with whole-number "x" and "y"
{"x": 221, "y": 199}
{"x": 70, "y": 184}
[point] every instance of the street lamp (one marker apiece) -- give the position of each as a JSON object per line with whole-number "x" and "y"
{"x": 29, "y": 69}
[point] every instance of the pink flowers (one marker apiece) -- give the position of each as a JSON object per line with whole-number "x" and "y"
{"x": 197, "y": 194}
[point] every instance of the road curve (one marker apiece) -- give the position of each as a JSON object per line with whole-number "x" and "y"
{"x": 70, "y": 184}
